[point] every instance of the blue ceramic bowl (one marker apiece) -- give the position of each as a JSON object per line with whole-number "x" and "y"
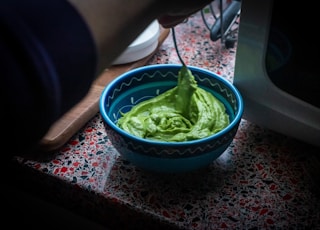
{"x": 142, "y": 83}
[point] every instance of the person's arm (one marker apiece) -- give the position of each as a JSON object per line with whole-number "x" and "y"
{"x": 121, "y": 21}
{"x": 115, "y": 24}
{"x": 51, "y": 52}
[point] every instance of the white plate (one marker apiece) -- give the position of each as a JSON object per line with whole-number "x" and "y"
{"x": 142, "y": 46}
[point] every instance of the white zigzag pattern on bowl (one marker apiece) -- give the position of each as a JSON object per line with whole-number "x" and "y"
{"x": 133, "y": 101}
{"x": 165, "y": 152}
{"x": 222, "y": 89}
{"x": 136, "y": 79}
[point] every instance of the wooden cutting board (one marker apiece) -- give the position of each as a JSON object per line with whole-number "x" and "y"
{"x": 79, "y": 115}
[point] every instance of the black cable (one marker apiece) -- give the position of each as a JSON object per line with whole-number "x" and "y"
{"x": 176, "y": 46}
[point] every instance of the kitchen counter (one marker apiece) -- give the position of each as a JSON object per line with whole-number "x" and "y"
{"x": 264, "y": 180}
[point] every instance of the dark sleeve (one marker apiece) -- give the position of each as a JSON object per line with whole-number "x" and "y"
{"x": 47, "y": 65}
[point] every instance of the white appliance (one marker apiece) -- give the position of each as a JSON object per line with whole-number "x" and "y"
{"x": 277, "y": 67}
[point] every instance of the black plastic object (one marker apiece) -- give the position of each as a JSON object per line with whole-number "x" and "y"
{"x": 227, "y": 18}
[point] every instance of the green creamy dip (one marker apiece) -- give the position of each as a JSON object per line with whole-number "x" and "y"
{"x": 183, "y": 113}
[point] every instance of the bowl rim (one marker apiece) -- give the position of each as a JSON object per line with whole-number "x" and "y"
{"x": 125, "y": 75}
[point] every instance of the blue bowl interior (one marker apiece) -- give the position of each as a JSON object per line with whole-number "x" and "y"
{"x": 126, "y": 92}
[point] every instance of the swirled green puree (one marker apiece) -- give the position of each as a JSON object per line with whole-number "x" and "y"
{"x": 185, "y": 112}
